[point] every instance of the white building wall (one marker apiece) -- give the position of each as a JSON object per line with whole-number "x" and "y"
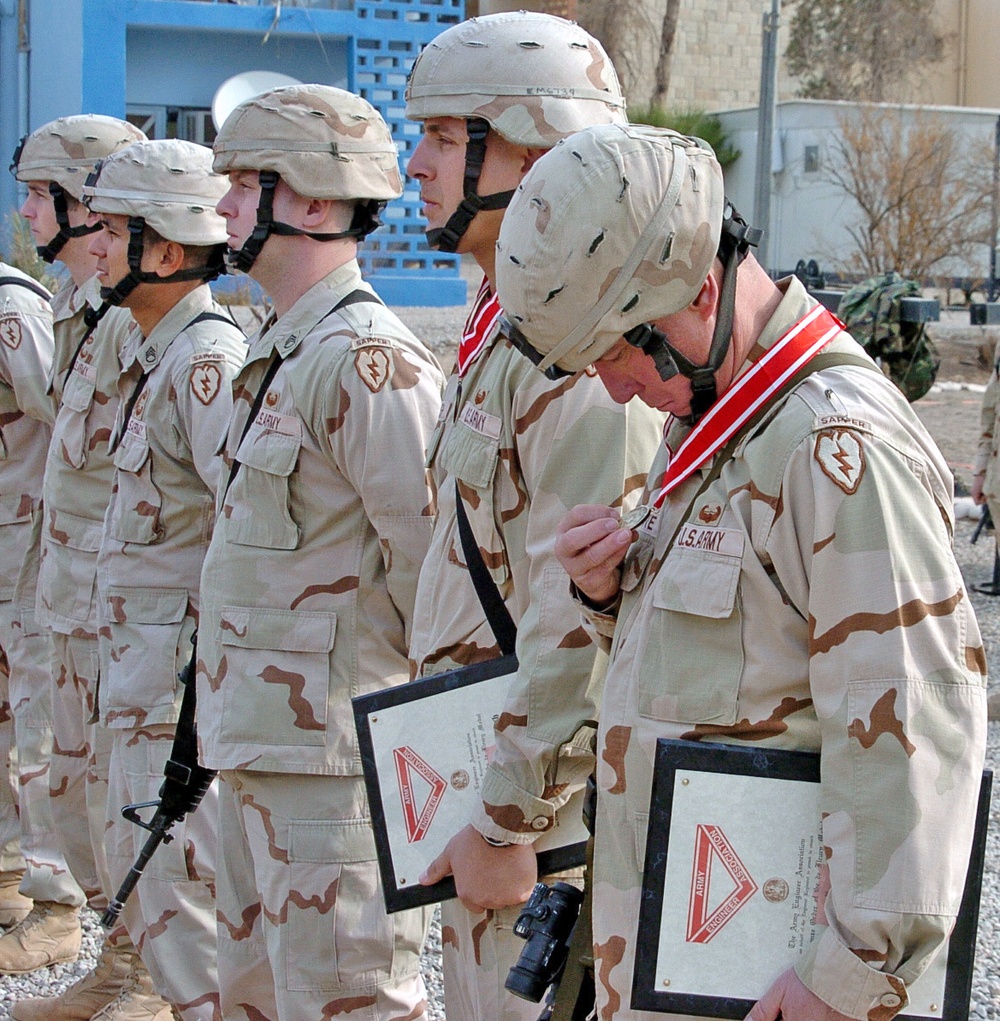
{"x": 809, "y": 214}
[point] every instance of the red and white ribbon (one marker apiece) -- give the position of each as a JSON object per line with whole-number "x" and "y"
{"x": 749, "y": 393}
{"x": 478, "y": 327}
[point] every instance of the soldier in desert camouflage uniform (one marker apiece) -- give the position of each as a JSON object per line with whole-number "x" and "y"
{"x": 795, "y": 589}
{"x": 324, "y": 518}
{"x": 161, "y": 241}
{"x": 985, "y": 488}
{"x": 492, "y": 94}
{"x": 30, "y": 855}
{"x": 54, "y": 162}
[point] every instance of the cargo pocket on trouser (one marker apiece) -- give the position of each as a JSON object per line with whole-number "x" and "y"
{"x": 691, "y": 656}
{"x": 142, "y": 648}
{"x": 339, "y": 936}
{"x": 15, "y": 542}
{"x": 282, "y": 660}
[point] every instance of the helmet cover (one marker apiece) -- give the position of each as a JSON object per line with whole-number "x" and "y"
{"x": 614, "y": 227}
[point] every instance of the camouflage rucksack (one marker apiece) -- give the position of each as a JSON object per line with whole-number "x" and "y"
{"x": 871, "y": 312}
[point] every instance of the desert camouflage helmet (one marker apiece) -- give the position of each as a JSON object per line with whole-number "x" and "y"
{"x": 63, "y": 153}
{"x": 168, "y": 185}
{"x": 324, "y": 143}
{"x": 608, "y": 232}
{"x": 534, "y": 78}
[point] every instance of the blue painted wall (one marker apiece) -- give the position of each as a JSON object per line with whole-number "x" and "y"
{"x": 101, "y": 56}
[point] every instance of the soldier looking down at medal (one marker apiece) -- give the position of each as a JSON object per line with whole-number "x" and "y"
{"x": 54, "y": 162}
{"x": 160, "y": 243}
{"x": 325, "y": 514}
{"x": 492, "y": 94}
{"x": 793, "y": 583}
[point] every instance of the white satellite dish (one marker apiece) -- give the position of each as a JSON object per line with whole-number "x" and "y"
{"x": 242, "y": 87}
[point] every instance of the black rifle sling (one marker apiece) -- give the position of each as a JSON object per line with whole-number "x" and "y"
{"x": 355, "y": 297}
{"x": 500, "y": 620}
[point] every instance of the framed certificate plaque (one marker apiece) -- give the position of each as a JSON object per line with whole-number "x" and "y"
{"x": 730, "y": 884}
{"x": 425, "y": 747}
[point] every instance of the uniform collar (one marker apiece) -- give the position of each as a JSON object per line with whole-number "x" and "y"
{"x": 284, "y": 334}
{"x": 147, "y": 351}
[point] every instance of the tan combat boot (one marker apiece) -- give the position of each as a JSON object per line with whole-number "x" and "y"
{"x": 50, "y": 934}
{"x": 137, "y": 1000}
{"x": 85, "y": 997}
{"x": 14, "y": 907}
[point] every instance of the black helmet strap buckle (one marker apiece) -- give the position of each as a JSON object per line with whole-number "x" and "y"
{"x": 735, "y": 242}
{"x": 216, "y": 266}
{"x": 365, "y": 219}
{"x": 448, "y": 237}
{"x": 54, "y": 246}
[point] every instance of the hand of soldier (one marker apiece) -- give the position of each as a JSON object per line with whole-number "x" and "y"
{"x": 790, "y": 1000}
{"x": 591, "y": 544}
{"x": 485, "y": 876}
{"x": 976, "y": 490}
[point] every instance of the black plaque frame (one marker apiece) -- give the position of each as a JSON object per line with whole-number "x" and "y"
{"x": 397, "y": 899}
{"x": 742, "y": 760}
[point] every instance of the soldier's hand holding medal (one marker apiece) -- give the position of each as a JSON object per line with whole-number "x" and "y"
{"x": 591, "y": 542}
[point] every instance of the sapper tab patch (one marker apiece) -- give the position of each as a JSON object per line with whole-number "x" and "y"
{"x": 410, "y": 766}
{"x": 840, "y": 454}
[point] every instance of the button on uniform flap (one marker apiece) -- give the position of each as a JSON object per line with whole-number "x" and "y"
{"x": 283, "y": 630}
{"x": 78, "y": 394}
{"x": 142, "y": 605}
{"x": 331, "y": 840}
{"x": 269, "y": 451}
{"x": 701, "y": 578}
{"x": 14, "y": 510}
{"x": 470, "y": 455}
{"x": 132, "y": 451}
{"x": 74, "y": 531}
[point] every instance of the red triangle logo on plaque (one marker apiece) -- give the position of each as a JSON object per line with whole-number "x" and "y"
{"x": 711, "y": 845}
{"x": 410, "y": 771}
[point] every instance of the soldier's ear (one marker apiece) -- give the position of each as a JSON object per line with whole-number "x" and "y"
{"x": 168, "y": 258}
{"x": 530, "y": 158}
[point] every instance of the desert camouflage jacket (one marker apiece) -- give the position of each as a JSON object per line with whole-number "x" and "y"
{"x": 308, "y": 587}
{"x": 810, "y": 601}
{"x": 78, "y": 468}
{"x": 525, "y": 449}
{"x": 26, "y": 414}
{"x": 162, "y": 507}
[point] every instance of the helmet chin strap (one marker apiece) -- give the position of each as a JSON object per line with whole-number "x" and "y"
{"x": 366, "y": 218}
{"x": 735, "y": 243}
{"x": 448, "y": 237}
{"x": 49, "y": 251}
{"x": 215, "y": 267}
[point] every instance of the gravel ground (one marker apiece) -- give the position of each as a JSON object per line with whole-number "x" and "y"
{"x": 951, "y": 413}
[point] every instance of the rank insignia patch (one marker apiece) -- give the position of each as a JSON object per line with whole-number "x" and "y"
{"x": 840, "y": 454}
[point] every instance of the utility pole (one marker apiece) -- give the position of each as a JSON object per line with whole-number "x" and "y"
{"x": 765, "y": 129}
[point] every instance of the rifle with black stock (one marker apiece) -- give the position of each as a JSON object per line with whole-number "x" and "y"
{"x": 185, "y": 783}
